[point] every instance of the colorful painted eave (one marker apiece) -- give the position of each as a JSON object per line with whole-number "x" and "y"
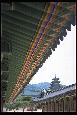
{"x": 51, "y": 27}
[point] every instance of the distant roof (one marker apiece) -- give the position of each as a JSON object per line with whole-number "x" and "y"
{"x": 56, "y": 93}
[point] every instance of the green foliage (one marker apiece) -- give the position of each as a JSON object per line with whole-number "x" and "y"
{"x": 10, "y": 106}
{"x": 26, "y": 99}
{"x": 21, "y": 101}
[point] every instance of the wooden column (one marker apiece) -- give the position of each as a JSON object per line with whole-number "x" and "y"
{"x": 63, "y": 104}
{"x": 1, "y": 103}
{"x": 74, "y": 99}
{"x": 42, "y": 107}
{"x": 74, "y": 103}
{"x": 56, "y": 106}
{"x": 66, "y": 104}
{"x": 70, "y": 98}
{"x": 45, "y": 107}
{"x": 49, "y": 105}
{"x": 48, "y": 102}
{"x": 52, "y": 106}
{"x": 70, "y": 104}
{"x": 59, "y": 105}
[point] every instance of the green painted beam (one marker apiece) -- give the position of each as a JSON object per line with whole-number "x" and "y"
{"x": 24, "y": 38}
{"x": 18, "y": 31}
{"x": 15, "y": 32}
{"x": 12, "y": 16}
{"x": 20, "y": 45}
{"x": 18, "y": 21}
{"x": 18, "y": 26}
{"x": 21, "y": 15}
{"x": 35, "y": 5}
{"x": 27, "y": 10}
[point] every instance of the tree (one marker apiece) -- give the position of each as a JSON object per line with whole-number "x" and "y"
{"x": 21, "y": 101}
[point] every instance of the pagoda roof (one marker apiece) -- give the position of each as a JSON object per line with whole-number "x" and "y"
{"x": 55, "y": 78}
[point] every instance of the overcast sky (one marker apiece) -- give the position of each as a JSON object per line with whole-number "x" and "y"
{"x": 62, "y": 62}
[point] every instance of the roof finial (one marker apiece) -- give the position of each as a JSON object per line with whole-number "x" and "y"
{"x": 55, "y": 75}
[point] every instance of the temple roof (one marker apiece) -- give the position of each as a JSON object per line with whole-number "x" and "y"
{"x": 55, "y": 79}
{"x": 59, "y": 92}
{"x": 29, "y": 33}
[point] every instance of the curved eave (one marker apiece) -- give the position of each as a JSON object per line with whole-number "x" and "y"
{"x": 38, "y": 39}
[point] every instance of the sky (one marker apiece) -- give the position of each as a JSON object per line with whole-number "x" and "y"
{"x": 62, "y": 62}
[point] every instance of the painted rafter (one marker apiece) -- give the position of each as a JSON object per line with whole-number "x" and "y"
{"x": 43, "y": 24}
{"x": 46, "y": 37}
{"x": 58, "y": 30}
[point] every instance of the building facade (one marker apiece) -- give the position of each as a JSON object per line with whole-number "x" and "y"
{"x": 63, "y": 100}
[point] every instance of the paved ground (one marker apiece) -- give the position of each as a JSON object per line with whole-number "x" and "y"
{"x": 21, "y": 110}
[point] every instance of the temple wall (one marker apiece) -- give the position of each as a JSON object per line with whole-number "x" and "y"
{"x": 66, "y": 103}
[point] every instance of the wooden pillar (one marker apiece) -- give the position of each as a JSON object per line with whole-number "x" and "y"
{"x": 74, "y": 99}
{"x": 70, "y": 98}
{"x": 48, "y": 102}
{"x": 66, "y": 104}
{"x": 52, "y": 106}
{"x": 74, "y": 103}
{"x": 49, "y": 105}
{"x": 70, "y": 104}
{"x": 1, "y": 103}
{"x": 44, "y": 107}
{"x": 40, "y": 106}
{"x": 56, "y": 106}
{"x": 61, "y": 105}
